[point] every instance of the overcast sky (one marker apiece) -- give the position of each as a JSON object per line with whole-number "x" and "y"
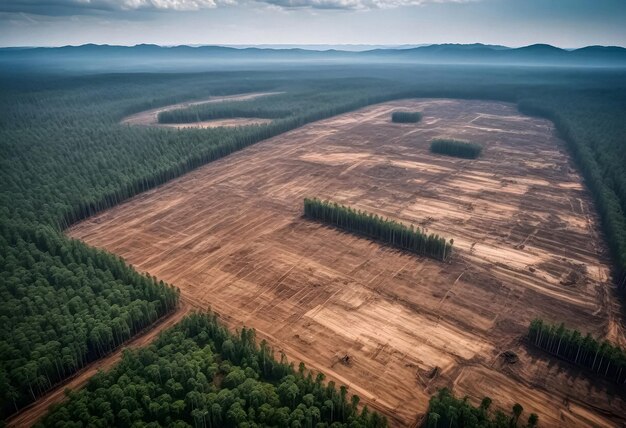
{"x": 564, "y": 23}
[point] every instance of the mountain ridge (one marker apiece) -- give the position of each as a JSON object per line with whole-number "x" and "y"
{"x": 96, "y": 56}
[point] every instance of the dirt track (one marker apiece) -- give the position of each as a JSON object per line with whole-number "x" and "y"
{"x": 231, "y": 236}
{"x": 28, "y": 416}
{"x": 151, "y": 117}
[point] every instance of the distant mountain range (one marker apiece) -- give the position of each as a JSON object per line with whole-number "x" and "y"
{"x": 92, "y": 56}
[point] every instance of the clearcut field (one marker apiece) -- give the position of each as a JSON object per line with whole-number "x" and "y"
{"x": 231, "y": 236}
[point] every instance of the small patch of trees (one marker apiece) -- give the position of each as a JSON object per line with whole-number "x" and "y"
{"x": 447, "y": 411}
{"x": 389, "y": 231}
{"x": 459, "y": 149}
{"x": 406, "y": 116}
{"x": 602, "y": 357}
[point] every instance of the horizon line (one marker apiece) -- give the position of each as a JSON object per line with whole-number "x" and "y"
{"x": 285, "y": 46}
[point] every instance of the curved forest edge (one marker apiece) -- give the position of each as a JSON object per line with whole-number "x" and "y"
{"x": 34, "y": 251}
{"x": 200, "y": 374}
{"x": 151, "y": 117}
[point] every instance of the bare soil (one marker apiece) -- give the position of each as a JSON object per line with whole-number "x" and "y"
{"x": 232, "y": 237}
{"x": 151, "y": 117}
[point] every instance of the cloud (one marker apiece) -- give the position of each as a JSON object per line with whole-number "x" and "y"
{"x": 353, "y": 4}
{"x": 71, "y": 7}
{"x": 89, "y": 7}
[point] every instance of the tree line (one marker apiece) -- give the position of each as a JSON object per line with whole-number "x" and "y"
{"x": 459, "y": 149}
{"x": 447, "y": 411}
{"x": 601, "y": 357}
{"x": 406, "y": 116}
{"x": 198, "y": 374}
{"x": 388, "y": 231}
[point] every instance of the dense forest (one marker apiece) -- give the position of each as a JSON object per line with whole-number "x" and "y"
{"x": 371, "y": 225}
{"x": 601, "y": 357}
{"x": 447, "y": 411}
{"x": 406, "y": 116}
{"x": 64, "y": 305}
{"x": 198, "y": 374}
{"x": 459, "y": 149}
{"x": 65, "y": 156}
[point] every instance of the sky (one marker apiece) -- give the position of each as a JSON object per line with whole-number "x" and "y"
{"x": 563, "y": 23}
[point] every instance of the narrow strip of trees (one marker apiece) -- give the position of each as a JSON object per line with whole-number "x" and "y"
{"x": 447, "y": 411}
{"x": 459, "y": 149}
{"x": 389, "y": 231}
{"x": 601, "y": 357}
{"x": 406, "y": 116}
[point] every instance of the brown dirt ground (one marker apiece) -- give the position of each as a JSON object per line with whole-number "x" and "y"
{"x": 232, "y": 237}
{"x": 151, "y": 117}
{"x": 31, "y": 414}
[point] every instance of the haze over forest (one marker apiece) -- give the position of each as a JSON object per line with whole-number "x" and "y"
{"x": 564, "y": 23}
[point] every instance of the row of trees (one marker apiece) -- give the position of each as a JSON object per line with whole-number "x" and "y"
{"x": 406, "y": 116}
{"x": 389, "y": 231}
{"x": 460, "y": 149}
{"x": 299, "y": 102}
{"x": 274, "y": 108}
{"x": 602, "y": 357}
{"x": 199, "y": 375}
{"x": 447, "y": 411}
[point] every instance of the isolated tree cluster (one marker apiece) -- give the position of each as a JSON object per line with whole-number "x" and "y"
{"x": 601, "y": 357}
{"x": 382, "y": 229}
{"x": 406, "y": 116}
{"x": 459, "y": 149}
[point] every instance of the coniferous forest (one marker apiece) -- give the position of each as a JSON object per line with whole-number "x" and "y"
{"x": 371, "y": 225}
{"x": 447, "y": 411}
{"x": 64, "y": 156}
{"x": 601, "y": 357}
{"x": 459, "y": 149}
{"x": 198, "y": 374}
{"x": 406, "y": 116}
